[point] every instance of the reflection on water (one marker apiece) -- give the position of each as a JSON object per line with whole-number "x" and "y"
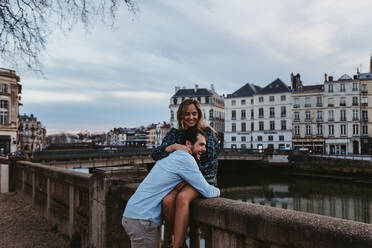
{"x": 336, "y": 198}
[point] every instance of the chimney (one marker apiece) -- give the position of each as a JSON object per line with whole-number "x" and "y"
{"x": 325, "y": 77}
{"x": 330, "y": 78}
{"x": 355, "y": 77}
{"x": 212, "y": 88}
{"x": 177, "y": 88}
{"x": 196, "y": 88}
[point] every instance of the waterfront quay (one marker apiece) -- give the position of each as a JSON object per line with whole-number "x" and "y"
{"x": 87, "y": 208}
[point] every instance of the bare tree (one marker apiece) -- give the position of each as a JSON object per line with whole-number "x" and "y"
{"x": 26, "y": 24}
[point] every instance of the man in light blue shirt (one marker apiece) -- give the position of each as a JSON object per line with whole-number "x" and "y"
{"x": 142, "y": 215}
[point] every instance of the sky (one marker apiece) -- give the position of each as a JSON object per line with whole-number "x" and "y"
{"x": 124, "y": 76}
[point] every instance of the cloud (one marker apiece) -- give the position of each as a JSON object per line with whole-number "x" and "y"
{"x": 43, "y": 97}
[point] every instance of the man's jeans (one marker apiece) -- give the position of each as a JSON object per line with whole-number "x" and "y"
{"x": 142, "y": 233}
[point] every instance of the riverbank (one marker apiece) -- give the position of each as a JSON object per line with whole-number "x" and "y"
{"x": 22, "y": 226}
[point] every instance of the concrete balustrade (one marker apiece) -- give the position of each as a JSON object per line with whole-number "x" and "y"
{"x": 90, "y": 206}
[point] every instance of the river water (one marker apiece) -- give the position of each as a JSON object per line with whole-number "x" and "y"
{"x": 283, "y": 188}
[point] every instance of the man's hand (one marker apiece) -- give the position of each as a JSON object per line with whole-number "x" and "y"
{"x": 180, "y": 185}
{"x": 180, "y": 147}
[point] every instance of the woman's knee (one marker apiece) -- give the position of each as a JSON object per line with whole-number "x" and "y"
{"x": 185, "y": 197}
{"x": 169, "y": 201}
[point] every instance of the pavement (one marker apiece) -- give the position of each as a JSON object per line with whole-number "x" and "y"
{"x": 22, "y": 226}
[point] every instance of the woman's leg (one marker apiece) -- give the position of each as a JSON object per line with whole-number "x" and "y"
{"x": 169, "y": 207}
{"x": 182, "y": 213}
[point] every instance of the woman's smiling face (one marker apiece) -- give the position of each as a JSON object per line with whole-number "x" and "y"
{"x": 190, "y": 117}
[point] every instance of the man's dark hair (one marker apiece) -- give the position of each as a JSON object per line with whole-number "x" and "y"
{"x": 191, "y": 134}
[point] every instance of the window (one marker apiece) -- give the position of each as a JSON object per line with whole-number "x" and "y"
{"x": 355, "y": 86}
{"x": 330, "y": 102}
{"x": 342, "y": 87}
{"x": 211, "y": 114}
{"x": 233, "y": 115}
{"x": 243, "y": 138}
{"x": 261, "y": 99}
{"x": 175, "y": 100}
{"x": 243, "y": 114}
{"x": 355, "y": 100}
{"x": 355, "y": 129}
{"x": 330, "y": 115}
{"x": 259, "y": 138}
{"x": 233, "y": 138}
{"x": 4, "y": 117}
{"x": 343, "y": 130}
{"x": 319, "y": 115}
{"x": 233, "y": 127}
{"x": 281, "y": 138}
{"x": 272, "y": 112}
{"x": 308, "y": 130}
{"x": 283, "y": 111}
{"x": 261, "y": 126}
{"x": 260, "y": 113}
{"x": 242, "y": 102}
{"x": 270, "y": 138}
{"x": 252, "y": 114}
{"x": 319, "y": 101}
{"x": 297, "y": 131}
{"x": 308, "y": 102}
{"x": 252, "y": 126}
{"x": 355, "y": 114}
{"x": 297, "y": 116}
{"x": 365, "y": 130}
{"x": 364, "y": 88}
{"x": 283, "y": 125}
{"x": 244, "y": 127}
{"x": 233, "y": 102}
{"x": 330, "y": 88}
{"x": 4, "y": 104}
{"x": 319, "y": 130}
{"x": 272, "y": 125}
{"x": 296, "y": 102}
{"x": 331, "y": 130}
{"x": 282, "y": 98}
{"x": 272, "y": 98}
{"x": 342, "y": 115}
{"x": 364, "y": 101}
{"x": 4, "y": 88}
{"x": 365, "y": 115}
{"x": 307, "y": 116}
{"x": 252, "y": 101}
{"x": 172, "y": 115}
{"x": 342, "y": 101}
{"x": 207, "y": 100}
{"x": 243, "y": 146}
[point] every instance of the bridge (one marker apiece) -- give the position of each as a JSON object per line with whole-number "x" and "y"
{"x": 93, "y": 158}
{"x": 88, "y": 209}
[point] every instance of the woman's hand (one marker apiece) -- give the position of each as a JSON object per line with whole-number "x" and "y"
{"x": 180, "y": 147}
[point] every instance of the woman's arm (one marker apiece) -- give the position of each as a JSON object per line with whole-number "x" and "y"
{"x": 213, "y": 147}
{"x": 162, "y": 151}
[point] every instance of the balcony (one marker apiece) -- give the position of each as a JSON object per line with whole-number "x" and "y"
{"x": 355, "y": 104}
{"x": 307, "y": 105}
{"x": 319, "y": 119}
{"x": 342, "y": 104}
{"x": 296, "y": 105}
{"x": 296, "y": 120}
{"x": 342, "y": 119}
{"x": 365, "y": 104}
{"x": 283, "y": 115}
{"x": 319, "y": 104}
{"x": 355, "y": 119}
{"x": 260, "y": 116}
{"x": 365, "y": 119}
{"x": 307, "y": 120}
{"x": 272, "y": 116}
{"x": 331, "y": 105}
{"x": 331, "y": 119}
{"x": 364, "y": 91}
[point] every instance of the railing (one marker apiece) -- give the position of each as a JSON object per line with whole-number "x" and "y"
{"x": 345, "y": 156}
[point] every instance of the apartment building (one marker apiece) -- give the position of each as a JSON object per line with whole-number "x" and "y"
{"x": 212, "y": 105}
{"x": 259, "y": 118}
{"x": 342, "y": 115}
{"x": 239, "y": 117}
{"x": 31, "y": 134}
{"x": 366, "y": 110}
{"x": 307, "y": 117}
{"x": 9, "y": 105}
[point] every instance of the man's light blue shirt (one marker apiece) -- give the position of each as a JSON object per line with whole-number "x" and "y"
{"x": 179, "y": 166}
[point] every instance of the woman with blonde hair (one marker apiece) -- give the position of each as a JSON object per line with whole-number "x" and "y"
{"x": 176, "y": 205}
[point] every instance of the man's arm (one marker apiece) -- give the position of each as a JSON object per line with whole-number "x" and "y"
{"x": 190, "y": 172}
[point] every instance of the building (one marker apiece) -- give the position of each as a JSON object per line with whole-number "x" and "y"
{"x": 239, "y": 117}
{"x": 272, "y": 117}
{"x": 9, "y": 106}
{"x": 307, "y": 116}
{"x": 157, "y": 134}
{"x": 31, "y": 134}
{"x": 366, "y": 110}
{"x": 212, "y": 105}
{"x": 259, "y": 118}
{"x": 342, "y": 115}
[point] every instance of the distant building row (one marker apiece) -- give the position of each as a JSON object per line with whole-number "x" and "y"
{"x": 334, "y": 117}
